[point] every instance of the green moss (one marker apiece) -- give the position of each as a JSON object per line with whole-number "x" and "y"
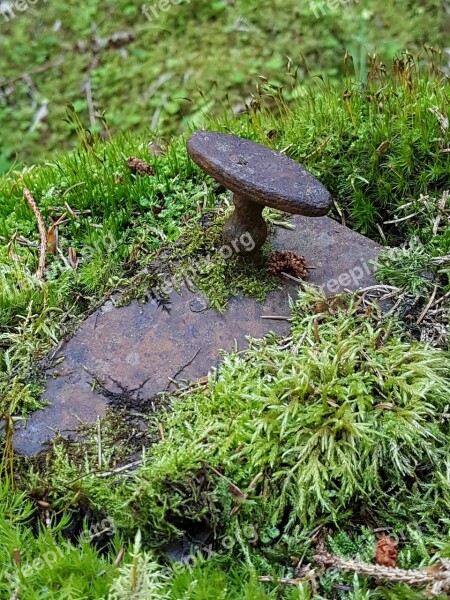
{"x": 196, "y": 261}
{"x": 341, "y": 421}
{"x": 344, "y": 421}
{"x": 324, "y": 422}
{"x": 146, "y": 80}
{"x": 198, "y": 258}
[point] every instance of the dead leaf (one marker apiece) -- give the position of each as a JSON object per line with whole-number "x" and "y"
{"x": 335, "y": 304}
{"x": 331, "y": 305}
{"x": 383, "y": 146}
{"x": 52, "y": 239}
{"x": 73, "y": 259}
{"x": 233, "y": 489}
{"x": 316, "y": 331}
{"x": 368, "y": 313}
{"x": 379, "y": 340}
{"x": 155, "y": 149}
{"x": 321, "y": 307}
{"x": 385, "y": 405}
{"x": 53, "y": 234}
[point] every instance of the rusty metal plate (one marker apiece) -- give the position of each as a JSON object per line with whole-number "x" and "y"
{"x": 140, "y": 349}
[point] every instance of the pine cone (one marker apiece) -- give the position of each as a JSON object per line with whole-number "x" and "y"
{"x": 386, "y": 552}
{"x": 288, "y": 262}
{"x": 139, "y": 167}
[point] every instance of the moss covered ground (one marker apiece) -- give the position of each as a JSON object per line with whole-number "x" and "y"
{"x": 330, "y": 437}
{"x": 198, "y": 57}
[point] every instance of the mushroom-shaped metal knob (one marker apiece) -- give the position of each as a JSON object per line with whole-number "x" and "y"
{"x": 258, "y": 177}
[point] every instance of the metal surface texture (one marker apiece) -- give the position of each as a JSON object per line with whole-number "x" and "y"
{"x": 135, "y": 351}
{"x": 259, "y": 174}
{"x": 258, "y": 177}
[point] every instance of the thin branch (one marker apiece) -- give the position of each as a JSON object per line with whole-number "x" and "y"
{"x": 318, "y": 149}
{"x": 119, "y": 469}
{"x": 441, "y": 208}
{"x": 99, "y": 441}
{"x": 438, "y": 576}
{"x": 441, "y": 299}
{"x": 276, "y": 318}
{"x": 400, "y": 220}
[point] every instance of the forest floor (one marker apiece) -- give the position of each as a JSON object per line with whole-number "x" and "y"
{"x": 165, "y": 73}
{"x": 282, "y": 469}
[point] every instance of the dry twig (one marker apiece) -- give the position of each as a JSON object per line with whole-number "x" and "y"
{"x": 42, "y": 233}
{"x": 283, "y": 580}
{"x": 99, "y": 442}
{"x": 441, "y": 208}
{"x": 436, "y": 577}
{"x": 427, "y": 307}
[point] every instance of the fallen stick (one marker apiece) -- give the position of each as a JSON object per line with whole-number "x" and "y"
{"x": 99, "y": 442}
{"x": 436, "y": 576}
{"x": 276, "y": 318}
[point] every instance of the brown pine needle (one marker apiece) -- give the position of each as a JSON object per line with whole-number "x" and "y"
{"x": 99, "y": 442}
{"x": 276, "y": 318}
{"x": 283, "y": 580}
{"x": 427, "y": 307}
{"x": 119, "y": 557}
{"x": 42, "y": 233}
{"x": 316, "y": 331}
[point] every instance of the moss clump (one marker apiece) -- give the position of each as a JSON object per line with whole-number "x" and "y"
{"x": 199, "y": 258}
{"x": 345, "y": 415}
{"x": 342, "y": 421}
{"x": 196, "y": 260}
{"x": 342, "y": 418}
